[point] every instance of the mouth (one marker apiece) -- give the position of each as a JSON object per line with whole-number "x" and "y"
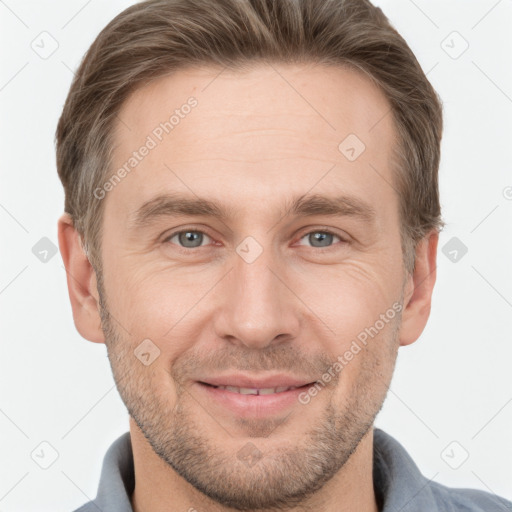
{"x": 257, "y": 391}
{"x": 251, "y": 402}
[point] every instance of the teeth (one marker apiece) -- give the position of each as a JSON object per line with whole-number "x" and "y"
{"x": 268, "y": 391}
{"x": 247, "y": 391}
{"x": 255, "y": 391}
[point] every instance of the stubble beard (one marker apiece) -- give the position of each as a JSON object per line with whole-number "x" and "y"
{"x": 284, "y": 477}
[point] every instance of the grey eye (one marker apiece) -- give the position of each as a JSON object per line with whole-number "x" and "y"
{"x": 189, "y": 239}
{"x": 320, "y": 238}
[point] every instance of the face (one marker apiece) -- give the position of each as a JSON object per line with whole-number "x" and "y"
{"x": 288, "y": 273}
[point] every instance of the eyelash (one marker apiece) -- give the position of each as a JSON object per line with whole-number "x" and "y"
{"x": 187, "y": 250}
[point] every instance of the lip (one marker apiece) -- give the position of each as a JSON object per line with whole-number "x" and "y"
{"x": 245, "y": 381}
{"x": 252, "y": 406}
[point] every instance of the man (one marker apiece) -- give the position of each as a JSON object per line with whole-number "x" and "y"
{"x": 251, "y": 226}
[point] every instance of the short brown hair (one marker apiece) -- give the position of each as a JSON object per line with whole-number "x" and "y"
{"x": 155, "y": 37}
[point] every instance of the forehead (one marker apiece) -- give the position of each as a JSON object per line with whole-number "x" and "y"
{"x": 271, "y": 128}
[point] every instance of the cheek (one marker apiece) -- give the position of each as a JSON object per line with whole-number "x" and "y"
{"x": 350, "y": 296}
{"x": 366, "y": 363}
{"x": 162, "y": 307}
{"x": 140, "y": 298}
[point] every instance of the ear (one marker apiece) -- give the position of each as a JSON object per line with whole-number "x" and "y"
{"x": 81, "y": 279}
{"x": 418, "y": 290}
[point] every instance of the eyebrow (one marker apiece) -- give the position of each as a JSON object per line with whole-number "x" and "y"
{"x": 173, "y": 205}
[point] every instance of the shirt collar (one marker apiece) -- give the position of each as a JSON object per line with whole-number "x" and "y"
{"x": 117, "y": 480}
{"x": 398, "y": 483}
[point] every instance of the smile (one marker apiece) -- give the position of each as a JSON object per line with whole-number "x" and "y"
{"x": 254, "y": 391}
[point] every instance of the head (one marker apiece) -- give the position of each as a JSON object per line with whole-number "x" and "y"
{"x": 203, "y": 148}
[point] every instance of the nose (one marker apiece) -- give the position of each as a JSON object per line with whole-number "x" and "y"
{"x": 257, "y": 307}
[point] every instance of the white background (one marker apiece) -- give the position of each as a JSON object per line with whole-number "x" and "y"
{"x": 453, "y": 384}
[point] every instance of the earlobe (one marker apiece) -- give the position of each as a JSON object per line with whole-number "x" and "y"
{"x": 418, "y": 290}
{"x": 81, "y": 279}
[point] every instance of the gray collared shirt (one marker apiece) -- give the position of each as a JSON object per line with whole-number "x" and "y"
{"x": 399, "y": 485}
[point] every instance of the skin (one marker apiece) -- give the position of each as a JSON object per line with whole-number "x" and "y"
{"x": 252, "y": 142}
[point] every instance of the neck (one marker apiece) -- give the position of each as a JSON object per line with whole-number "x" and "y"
{"x": 158, "y": 488}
